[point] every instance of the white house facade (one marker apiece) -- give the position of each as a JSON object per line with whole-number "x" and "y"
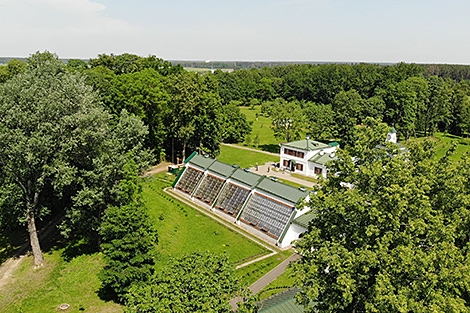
{"x": 307, "y": 157}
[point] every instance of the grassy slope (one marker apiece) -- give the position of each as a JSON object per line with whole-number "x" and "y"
{"x": 181, "y": 229}
{"x": 244, "y": 158}
{"x": 184, "y": 229}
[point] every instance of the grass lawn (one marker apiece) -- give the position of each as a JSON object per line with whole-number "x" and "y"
{"x": 244, "y": 158}
{"x": 57, "y": 282}
{"x": 262, "y": 129}
{"x": 184, "y": 229}
{"x": 445, "y": 141}
{"x": 251, "y": 273}
{"x": 281, "y": 283}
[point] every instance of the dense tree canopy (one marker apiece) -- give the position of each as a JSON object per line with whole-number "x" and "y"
{"x": 196, "y": 282}
{"x": 398, "y": 241}
{"x": 58, "y": 147}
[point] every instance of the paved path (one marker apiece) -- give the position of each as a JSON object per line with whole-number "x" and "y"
{"x": 261, "y": 283}
{"x": 273, "y": 274}
{"x": 283, "y": 175}
{"x": 263, "y": 169}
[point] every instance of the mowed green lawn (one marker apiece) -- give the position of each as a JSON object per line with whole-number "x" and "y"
{"x": 184, "y": 229}
{"x": 75, "y": 281}
{"x": 244, "y": 158}
{"x": 261, "y": 129}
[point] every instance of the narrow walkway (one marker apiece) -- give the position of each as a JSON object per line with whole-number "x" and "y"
{"x": 273, "y": 274}
{"x": 261, "y": 283}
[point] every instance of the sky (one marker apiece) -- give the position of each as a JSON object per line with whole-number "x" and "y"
{"x": 411, "y": 31}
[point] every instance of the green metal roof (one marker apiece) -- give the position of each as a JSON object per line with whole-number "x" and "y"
{"x": 221, "y": 168}
{"x": 306, "y": 145}
{"x": 304, "y": 219}
{"x": 282, "y": 190}
{"x": 333, "y": 144}
{"x": 248, "y": 178}
{"x": 322, "y": 159}
{"x": 393, "y": 130}
{"x": 283, "y": 302}
{"x": 201, "y": 161}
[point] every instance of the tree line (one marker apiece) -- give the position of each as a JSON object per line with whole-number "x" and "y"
{"x": 335, "y": 97}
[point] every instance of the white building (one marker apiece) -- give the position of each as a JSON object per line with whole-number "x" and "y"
{"x": 307, "y": 157}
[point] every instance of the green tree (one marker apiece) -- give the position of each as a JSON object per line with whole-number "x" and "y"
{"x": 12, "y": 68}
{"x": 196, "y": 282}
{"x": 194, "y": 116}
{"x": 128, "y": 240}
{"x": 287, "y": 119}
{"x": 398, "y": 241}
{"x": 55, "y": 141}
{"x": 320, "y": 121}
{"x": 142, "y": 94}
{"x": 234, "y": 126}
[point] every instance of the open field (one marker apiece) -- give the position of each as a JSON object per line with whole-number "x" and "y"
{"x": 261, "y": 129}
{"x": 74, "y": 282}
{"x": 244, "y": 158}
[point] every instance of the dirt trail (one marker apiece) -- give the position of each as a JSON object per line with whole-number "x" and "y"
{"x": 11, "y": 265}
{"x": 158, "y": 168}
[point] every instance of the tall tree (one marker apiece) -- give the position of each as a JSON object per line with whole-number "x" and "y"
{"x": 55, "y": 137}
{"x": 129, "y": 240}
{"x": 398, "y": 241}
{"x": 196, "y": 282}
{"x": 287, "y": 119}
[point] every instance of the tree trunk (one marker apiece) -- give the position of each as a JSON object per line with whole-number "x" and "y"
{"x": 34, "y": 240}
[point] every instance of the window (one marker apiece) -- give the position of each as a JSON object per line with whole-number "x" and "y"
{"x": 299, "y": 167}
{"x": 318, "y": 170}
{"x": 232, "y": 198}
{"x": 297, "y": 154}
{"x": 209, "y": 189}
{"x": 267, "y": 215}
{"x": 189, "y": 180}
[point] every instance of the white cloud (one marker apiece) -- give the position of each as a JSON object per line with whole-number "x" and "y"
{"x": 71, "y": 28}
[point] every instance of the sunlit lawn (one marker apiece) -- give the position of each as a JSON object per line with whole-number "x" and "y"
{"x": 244, "y": 158}
{"x": 73, "y": 282}
{"x": 262, "y": 129}
{"x": 184, "y": 229}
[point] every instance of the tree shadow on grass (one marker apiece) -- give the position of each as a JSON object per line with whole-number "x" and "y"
{"x": 78, "y": 247}
{"x": 270, "y": 148}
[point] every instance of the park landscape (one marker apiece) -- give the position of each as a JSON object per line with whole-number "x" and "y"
{"x": 136, "y": 112}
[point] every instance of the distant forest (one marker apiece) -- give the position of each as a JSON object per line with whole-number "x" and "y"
{"x": 186, "y": 111}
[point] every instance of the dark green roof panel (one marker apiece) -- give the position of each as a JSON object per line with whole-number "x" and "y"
{"x": 306, "y": 145}
{"x": 283, "y": 302}
{"x": 323, "y": 159}
{"x": 221, "y": 168}
{"x": 304, "y": 220}
{"x": 282, "y": 190}
{"x": 201, "y": 161}
{"x": 247, "y": 178}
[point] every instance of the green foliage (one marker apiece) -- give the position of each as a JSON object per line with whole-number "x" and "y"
{"x": 59, "y": 149}
{"x": 196, "y": 282}
{"x": 398, "y": 241}
{"x": 234, "y": 126}
{"x": 287, "y": 119}
{"x": 128, "y": 242}
{"x": 142, "y": 94}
